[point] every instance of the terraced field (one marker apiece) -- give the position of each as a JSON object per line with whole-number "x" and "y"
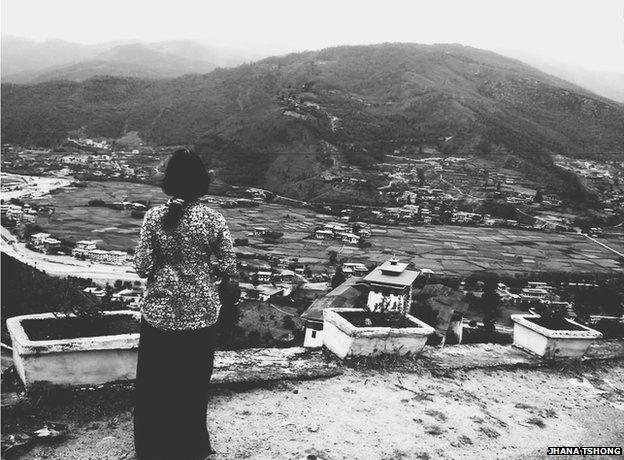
{"x": 447, "y": 249}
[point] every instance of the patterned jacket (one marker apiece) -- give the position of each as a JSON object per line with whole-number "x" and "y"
{"x": 181, "y": 291}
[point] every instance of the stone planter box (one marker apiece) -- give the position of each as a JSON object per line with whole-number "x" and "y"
{"x": 549, "y": 343}
{"x": 79, "y": 361}
{"x": 344, "y": 339}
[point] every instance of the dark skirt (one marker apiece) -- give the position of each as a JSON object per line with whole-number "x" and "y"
{"x": 171, "y": 390}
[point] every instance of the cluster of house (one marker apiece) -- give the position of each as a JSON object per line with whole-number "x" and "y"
{"x": 87, "y": 142}
{"x": 131, "y": 297}
{"x": 587, "y": 168}
{"x": 19, "y": 213}
{"x": 5, "y": 188}
{"x": 126, "y": 204}
{"x": 347, "y": 233}
{"x": 389, "y": 285}
{"x": 121, "y": 165}
{"x": 604, "y": 175}
{"x": 423, "y": 194}
{"x": 269, "y": 276}
{"x": 87, "y": 249}
{"x": 242, "y": 203}
{"x": 98, "y": 165}
{"x": 535, "y": 292}
{"x": 269, "y": 282}
{"x": 439, "y": 214}
{"x": 354, "y": 269}
{"x": 44, "y": 242}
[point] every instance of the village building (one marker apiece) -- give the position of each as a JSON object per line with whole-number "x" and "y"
{"x": 287, "y": 276}
{"x": 51, "y": 245}
{"x": 264, "y": 276}
{"x": 132, "y": 297}
{"x": 14, "y": 212}
{"x": 344, "y": 296}
{"x": 350, "y": 238}
{"x": 44, "y": 242}
{"x": 354, "y": 269}
{"x": 83, "y": 248}
{"x": 97, "y": 292}
{"x": 533, "y": 294}
{"x": 260, "y": 231}
{"x": 324, "y": 234}
{"x": 538, "y": 285}
{"x": 108, "y": 257}
{"x": 336, "y": 227}
{"x": 29, "y": 216}
{"x": 391, "y": 282}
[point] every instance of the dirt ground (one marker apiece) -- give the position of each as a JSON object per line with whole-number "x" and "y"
{"x": 370, "y": 414}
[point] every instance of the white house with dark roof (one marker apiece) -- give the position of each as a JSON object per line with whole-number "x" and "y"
{"x": 392, "y": 281}
{"x": 260, "y": 231}
{"x": 354, "y": 269}
{"x": 264, "y": 276}
{"x": 324, "y": 234}
{"x": 344, "y": 296}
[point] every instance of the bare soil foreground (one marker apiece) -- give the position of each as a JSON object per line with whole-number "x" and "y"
{"x": 382, "y": 413}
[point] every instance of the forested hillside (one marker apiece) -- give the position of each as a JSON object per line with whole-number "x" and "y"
{"x": 294, "y": 115}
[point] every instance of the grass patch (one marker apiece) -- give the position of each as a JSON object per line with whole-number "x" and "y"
{"x": 537, "y": 422}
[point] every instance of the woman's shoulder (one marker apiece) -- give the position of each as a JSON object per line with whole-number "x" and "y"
{"x": 209, "y": 213}
{"x": 155, "y": 211}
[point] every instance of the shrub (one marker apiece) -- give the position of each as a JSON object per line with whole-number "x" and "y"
{"x": 552, "y": 315}
{"x": 288, "y": 323}
{"x": 254, "y": 338}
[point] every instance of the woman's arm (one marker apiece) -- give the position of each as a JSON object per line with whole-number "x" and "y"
{"x": 229, "y": 291}
{"x": 144, "y": 253}
{"x": 223, "y": 249}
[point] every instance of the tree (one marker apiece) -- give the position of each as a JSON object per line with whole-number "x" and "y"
{"x": 333, "y": 255}
{"x": 267, "y": 337}
{"x": 338, "y": 278}
{"x": 421, "y": 176}
{"x": 254, "y": 338}
{"x": 118, "y": 285}
{"x": 288, "y": 323}
{"x": 539, "y": 198}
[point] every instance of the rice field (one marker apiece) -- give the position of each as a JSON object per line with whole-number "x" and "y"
{"x": 443, "y": 249}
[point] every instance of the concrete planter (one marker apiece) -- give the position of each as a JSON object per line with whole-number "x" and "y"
{"x": 549, "y": 343}
{"x": 345, "y": 339}
{"x": 79, "y": 361}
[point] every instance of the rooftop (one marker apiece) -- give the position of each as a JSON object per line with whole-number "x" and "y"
{"x": 344, "y": 296}
{"x": 392, "y": 274}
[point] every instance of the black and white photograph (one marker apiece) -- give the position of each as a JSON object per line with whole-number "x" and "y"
{"x": 312, "y": 230}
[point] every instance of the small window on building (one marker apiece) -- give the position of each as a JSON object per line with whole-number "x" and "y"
{"x": 314, "y": 334}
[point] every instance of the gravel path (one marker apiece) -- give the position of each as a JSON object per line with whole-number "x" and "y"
{"x": 368, "y": 414}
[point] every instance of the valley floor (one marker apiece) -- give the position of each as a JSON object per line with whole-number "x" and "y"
{"x": 375, "y": 414}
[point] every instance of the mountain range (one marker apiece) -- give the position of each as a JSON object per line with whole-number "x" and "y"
{"x": 27, "y": 61}
{"x": 283, "y": 121}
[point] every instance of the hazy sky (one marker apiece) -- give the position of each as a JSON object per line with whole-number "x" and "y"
{"x": 588, "y": 33}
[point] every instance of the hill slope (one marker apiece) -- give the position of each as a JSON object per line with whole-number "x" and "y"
{"x": 293, "y": 116}
{"x": 27, "y": 61}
